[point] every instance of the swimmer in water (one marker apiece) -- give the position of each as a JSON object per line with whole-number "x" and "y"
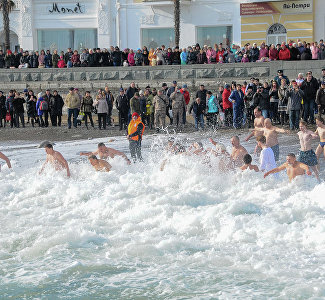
{"x": 321, "y": 133}
{"x": 225, "y": 162}
{"x": 6, "y": 159}
{"x": 99, "y": 164}
{"x": 104, "y": 152}
{"x": 294, "y": 168}
{"x": 248, "y": 164}
{"x": 176, "y": 149}
{"x": 56, "y": 159}
{"x": 306, "y": 153}
{"x": 197, "y": 149}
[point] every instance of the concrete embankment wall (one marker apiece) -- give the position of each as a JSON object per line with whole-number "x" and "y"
{"x": 115, "y": 77}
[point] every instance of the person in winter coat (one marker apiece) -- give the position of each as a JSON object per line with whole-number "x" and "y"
{"x": 237, "y": 98}
{"x": 283, "y": 101}
{"x": 75, "y": 59}
{"x": 178, "y": 105}
{"x": 102, "y": 110}
{"x": 160, "y": 102}
{"x": 202, "y": 58}
{"x": 284, "y": 53}
{"x": 254, "y": 53}
{"x": 40, "y": 112}
{"x": 72, "y": 101}
{"x": 56, "y": 104}
{"x": 273, "y": 53}
{"x": 31, "y": 109}
{"x": 320, "y": 99}
{"x": 227, "y": 105}
{"x": 10, "y": 108}
{"x": 264, "y": 52}
{"x": 186, "y": 95}
{"x": 135, "y": 104}
{"x": 48, "y": 59}
{"x": 212, "y": 109}
{"x": 211, "y": 56}
{"x": 87, "y": 108}
{"x": 262, "y": 99}
{"x": 294, "y": 96}
{"x": 306, "y": 54}
{"x": 123, "y": 105}
{"x": 184, "y": 56}
{"x": 3, "y": 110}
{"x": 131, "y": 60}
{"x": 198, "y": 110}
{"x": 18, "y": 104}
{"x": 138, "y": 60}
{"x": 309, "y": 87}
{"x": 55, "y": 58}
{"x": 61, "y": 62}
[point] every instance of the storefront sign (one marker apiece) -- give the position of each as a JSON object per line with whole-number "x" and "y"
{"x": 76, "y": 9}
{"x": 280, "y": 7}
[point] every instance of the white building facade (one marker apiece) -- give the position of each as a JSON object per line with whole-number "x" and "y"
{"x": 43, "y": 24}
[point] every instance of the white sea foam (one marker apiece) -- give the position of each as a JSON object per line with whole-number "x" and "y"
{"x": 139, "y": 233}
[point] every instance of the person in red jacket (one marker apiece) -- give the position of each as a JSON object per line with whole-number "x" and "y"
{"x": 227, "y": 105}
{"x": 284, "y": 53}
{"x": 186, "y": 95}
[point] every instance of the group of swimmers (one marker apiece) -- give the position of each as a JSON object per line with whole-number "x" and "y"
{"x": 267, "y": 144}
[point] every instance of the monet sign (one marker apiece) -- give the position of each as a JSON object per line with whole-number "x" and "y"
{"x": 66, "y": 9}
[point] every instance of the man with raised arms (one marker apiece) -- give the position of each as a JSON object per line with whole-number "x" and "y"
{"x": 271, "y": 133}
{"x": 104, "y": 152}
{"x": 321, "y": 133}
{"x": 307, "y": 154}
{"x": 99, "y": 164}
{"x": 294, "y": 168}
{"x": 56, "y": 159}
{"x": 6, "y": 159}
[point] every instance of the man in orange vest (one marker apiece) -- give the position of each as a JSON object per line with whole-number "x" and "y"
{"x": 135, "y": 132}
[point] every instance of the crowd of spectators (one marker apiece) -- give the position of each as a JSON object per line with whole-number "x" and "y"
{"x": 282, "y": 100}
{"x": 196, "y": 54}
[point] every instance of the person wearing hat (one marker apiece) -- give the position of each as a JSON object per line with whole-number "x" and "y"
{"x": 280, "y": 76}
{"x": 138, "y": 59}
{"x": 178, "y": 106}
{"x": 160, "y": 102}
{"x": 72, "y": 101}
{"x": 168, "y": 107}
{"x": 135, "y": 104}
{"x": 320, "y": 99}
{"x": 186, "y": 95}
{"x": 123, "y": 106}
{"x": 135, "y": 133}
{"x": 202, "y": 94}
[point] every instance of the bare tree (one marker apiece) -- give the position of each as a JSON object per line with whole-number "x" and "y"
{"x": 177, "y": 16}
{"x": 6, "y": 6}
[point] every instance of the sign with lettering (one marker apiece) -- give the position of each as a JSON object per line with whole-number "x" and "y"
{"x": 279, "y": 7}
{"x": 65, "y": 9}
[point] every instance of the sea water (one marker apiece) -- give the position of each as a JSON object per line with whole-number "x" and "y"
{"x": 187, "y": 232}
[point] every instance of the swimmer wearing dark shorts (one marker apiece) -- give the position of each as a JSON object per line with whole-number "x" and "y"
{"x": 322, "y": 144}
{"x": 309, "y": 158}
{"x": 276, "y": 151}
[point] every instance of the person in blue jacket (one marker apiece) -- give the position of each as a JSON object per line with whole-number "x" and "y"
{"x": 213, "y": 108}
{"x": 237, "y": 98}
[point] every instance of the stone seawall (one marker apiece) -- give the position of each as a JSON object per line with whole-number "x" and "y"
{"x": 115, "y": 77}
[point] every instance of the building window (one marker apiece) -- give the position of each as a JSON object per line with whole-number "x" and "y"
{"x": 61, "y": 39}
{"x": 276, "y": 34}
{"x": 214, "y": 35}
{"x": 153, "y": 38}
